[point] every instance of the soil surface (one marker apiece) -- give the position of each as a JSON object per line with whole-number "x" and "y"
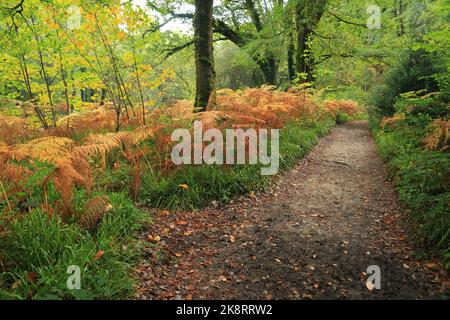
{"x": 312, "y": 236}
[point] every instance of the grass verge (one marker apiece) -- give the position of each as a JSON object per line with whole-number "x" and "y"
{"x": 221, "y": 183}
{"x": 42, "y": 248}
{"x": 422, "y": 179}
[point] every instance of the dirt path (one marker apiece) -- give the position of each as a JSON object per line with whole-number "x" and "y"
{"x": 312, "y": 237}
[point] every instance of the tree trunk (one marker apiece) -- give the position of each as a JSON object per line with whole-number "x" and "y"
{"x": 47, "y": 85}
{"x": 138, "y": 80}
{"x": 102, "y": 97}
{"x": 66, "y": 88}
{"x": 26, "y": 78}
{"x": 303, "y": 33}
{"x": 290, "y": 57}
{"x": 61, "y": 68}
{"x": 268, "y": 64}
{"x": 74, "y": 92}
{"x": 398, "y": 12}
{"x": 307, "y": 17}
{"x": 204, "y": 57}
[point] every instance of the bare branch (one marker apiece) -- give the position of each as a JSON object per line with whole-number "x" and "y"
{"x": 172, "y": 51}
{"x": 346, "y": 21}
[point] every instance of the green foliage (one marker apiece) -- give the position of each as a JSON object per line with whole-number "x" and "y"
{"x": 393, "y": 143}
{"x": 345, "y": 92}
{"x": 45, "y": 247}
{"x": 114, "y": 179}
{"x": 420, "y": 111}
{"x": 205, "y": 183}
{"x": 342, "y": 118}
{"x": 414, "y": 71}
{"x": 234, "y": 68}
{"x": 423, "y": 184}
{"x": 416, "y": 91}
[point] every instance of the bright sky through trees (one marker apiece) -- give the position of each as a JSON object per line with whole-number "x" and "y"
{"x": 175, "y": 25}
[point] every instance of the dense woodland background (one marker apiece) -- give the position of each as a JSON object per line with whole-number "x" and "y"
{"x": 90, "y": 91}
{"x": 49, "y": 58}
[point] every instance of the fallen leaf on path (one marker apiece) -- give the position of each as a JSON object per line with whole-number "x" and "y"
{"x": 153, "y": 238}
{"x": 223, "y": 278}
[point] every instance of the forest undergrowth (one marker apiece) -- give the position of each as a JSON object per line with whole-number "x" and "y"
{"x": 76, "y": 194}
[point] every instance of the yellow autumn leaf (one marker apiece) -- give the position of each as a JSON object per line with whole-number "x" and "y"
{"x": 122, "y": 35}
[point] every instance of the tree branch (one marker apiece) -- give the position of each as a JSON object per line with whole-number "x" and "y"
{"x": 219, "y": 26}
{"x": 172, "y": 51}
{"x": 322, "y": 36}
{"x": 250, "y": 6}
{"x": 236, "y": 37}
{"x": 346, "y": 21}
{"x": 18, "y": 7}
{"x": 173, "y": 16}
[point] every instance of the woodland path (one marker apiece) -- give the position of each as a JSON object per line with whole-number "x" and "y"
{"x": 311, "y": 237}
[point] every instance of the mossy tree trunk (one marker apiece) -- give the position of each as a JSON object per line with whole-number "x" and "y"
{"x": 204, "y": 57}
{"x": 307, "y": 17}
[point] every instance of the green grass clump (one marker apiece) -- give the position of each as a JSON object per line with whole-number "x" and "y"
{"x": 42, "y": 247}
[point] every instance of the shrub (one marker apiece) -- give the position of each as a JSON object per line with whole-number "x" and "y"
{"x": 342, "y": 118}
{"x": 347, "y": 107}
{"x": 414, "y": 71}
